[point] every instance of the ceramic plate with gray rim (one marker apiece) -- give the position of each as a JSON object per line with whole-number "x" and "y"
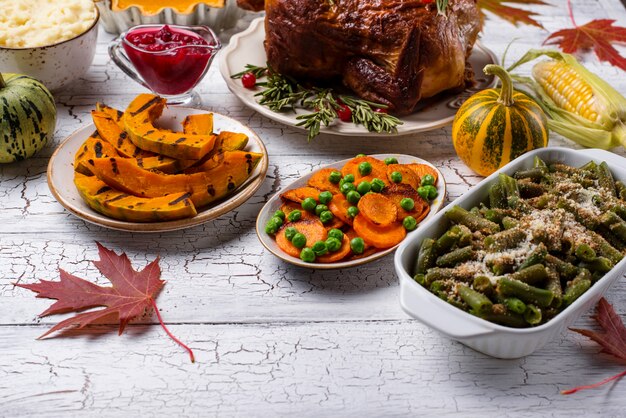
{"x": 276, "y": 202}
{"x": 247, "y": 48}
{"x": 61, "y": 177}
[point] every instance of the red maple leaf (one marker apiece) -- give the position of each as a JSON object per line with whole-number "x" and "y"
{"x": 509, "y": 13}
{"x": 131, "y": 295}
{"x": 599, "y": 35}
{"x": 612, "y": 340}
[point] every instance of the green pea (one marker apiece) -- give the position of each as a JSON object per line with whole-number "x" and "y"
{"x": 320, "y": 208}
{"x": 423, "y": 192}
{"x": 335, "y": 233}
{"x": 432, "y": 192}
{"x": 353, "y": 197}
{"x": 319, "y": 248}
{"x": 309, "y": 204}
{"x": 279, "y": 213}
{"x": 357, "y": 245}
{"x": 326, "y": 216}
{"x": 349, "y": 178}
{"x": 407, "y": 203}
{"x": 298, "y": 240}
{"x": 409, "y": 223}
{"x": 325, "y": 197}
{"x": 391, "y": 160}
{"x": 307, "y": 255}
{"x": 294, "y": 215}
{"x": 360, "y": 155}
{"x": 271, "y": 227}
{"x": 334, "y": 177}
{"x": 428, "y": 180}
{"x": 378, "y": 185}
{"x": 333, "y": 244}
{"x": 396, "y": 177}
{"x": 353, "y": 211}
{"x": 365, "y": 168}
{"x": 277, "y": 221}
{"x": 347, "y": 187}
{"x": 290, "y": 232}
{"x": 364, "y": 187}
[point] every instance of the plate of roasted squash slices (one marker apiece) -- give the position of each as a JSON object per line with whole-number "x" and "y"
{"x": 152, "y": 168}
{"x": 351, "y": 212}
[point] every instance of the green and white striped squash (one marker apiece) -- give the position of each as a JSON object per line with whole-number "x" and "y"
{"x": 27, "y": 117}
{"x": 495, "y": 126}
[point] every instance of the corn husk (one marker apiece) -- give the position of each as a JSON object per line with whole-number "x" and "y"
{"x": 608, "y": 131}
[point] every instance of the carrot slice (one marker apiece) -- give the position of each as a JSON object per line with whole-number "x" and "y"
{"x": 339, "y": 207}
{"x": 408, "y": 175}
{"x": 422, "y": 215}
{"x": 422, "y": 169}
{"x": 338, "y": 255}
{"x": 298, "y": 195}
{"x": 312, "y": 229}
{"x": 289, "y": 207}
{"x": 334, "y": 223}
{"x": 378, "y": 209}
{"x": 320, "y": 180}
{"x": 378, "y": 236}
{"x": 397, "y": 192}
{"x": 366, "y": 253}
{"x": 351, "y": 233}
{"x": 379, "y": 169}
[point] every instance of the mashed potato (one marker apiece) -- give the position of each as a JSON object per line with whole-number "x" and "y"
{"x": 32, "y": 23}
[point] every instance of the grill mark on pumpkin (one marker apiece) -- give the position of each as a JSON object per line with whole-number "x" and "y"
{"x": 180, "y": 199}
{"x": 249, "y": 163}
{"x": 116, "y": 198}
{"x": 98, "y": 149}
{"x": 146, "y": 106}
{"x": 114, "y": 166}
{"x": 210, "y": 189}
{"x": 231, "y": 185}
{"x": 103, "y": 190}
{"x": 179, "y": 140}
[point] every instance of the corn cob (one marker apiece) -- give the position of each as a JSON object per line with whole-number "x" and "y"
{"x": 580, "y": 105}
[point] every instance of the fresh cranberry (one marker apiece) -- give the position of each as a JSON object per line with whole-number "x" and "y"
{"x": 248, "y": 80}
{"x": 344, "y": 113}
{"x": 165, "y": 34}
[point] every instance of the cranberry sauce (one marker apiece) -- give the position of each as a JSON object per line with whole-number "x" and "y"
{"x": 170, "y": 60}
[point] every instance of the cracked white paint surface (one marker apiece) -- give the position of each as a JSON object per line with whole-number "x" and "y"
{"x": 270, "y": 338}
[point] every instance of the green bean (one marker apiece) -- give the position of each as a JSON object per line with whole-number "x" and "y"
{"x": 515, "y": 305}
{"x": 478, "y": 302}
{"x": 509, "y": 222}
{"x": 475, "y": 223}
{"x": 534, "y": 174}
{"x": 620, "y": 189}
{"x": 524, "y": 291}
{"x": 589, "y": 222}
{"x": 445, "y": 242}
{"x": 577, "y": 287}
{"x": 565, "y": 269}
{"x": 539, "y": 163}
{"x": 584, "y": 252}
{"x": 615, "y": 224}
{"x": 437, "y": 274}
{"x": 553, "y": 284}
{"x": 465, "y": 236}
{"x": 566, "y": 169}
{"x": 497, "y": 198}
{"x": 475, "y": 211}
{"x": 606, "y": 250}
{"x": 605, "y": 178}
{"x": 532, "y": 314}
{"x": 494, "y": 215}
{"x": 590, "y": 166}
{"x": 508, "y": 238}
{"x": 420, "y": 278}
{"x": 531, "y": 275}
{"x": 506, "y": 318}
{"x": 537, "y": 256}
{"x": 426, "y": 256}
{"x": 500, "y": 268}
{"x": 455, "y": 257}
{"x": 483, "y": 285}
{"x": 620, "y": 210}
{"x": 529, "y": 190}
{"x": 599, "y": 264}
{"x": 511, "y": 190}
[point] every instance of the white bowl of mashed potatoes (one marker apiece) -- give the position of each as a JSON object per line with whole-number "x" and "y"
{"x": 52, "y": 41}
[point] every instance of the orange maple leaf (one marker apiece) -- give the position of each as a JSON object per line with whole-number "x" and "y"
{"x": 509, "y": 13}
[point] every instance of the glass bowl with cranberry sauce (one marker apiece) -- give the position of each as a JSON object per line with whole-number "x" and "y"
{"x": 170, "y": 60}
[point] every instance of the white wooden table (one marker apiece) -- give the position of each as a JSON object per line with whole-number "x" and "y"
{"x": 269, "y": 338}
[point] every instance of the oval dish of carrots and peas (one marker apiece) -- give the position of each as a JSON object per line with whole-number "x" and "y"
{"x": 353, "y": 211}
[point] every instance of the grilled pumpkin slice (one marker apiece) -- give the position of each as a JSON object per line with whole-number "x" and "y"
{"x": 93, "y": 147}
{"x": 139, "y": 119}
{"x": 119, "y": 205}
{"x": 205, "y": 186}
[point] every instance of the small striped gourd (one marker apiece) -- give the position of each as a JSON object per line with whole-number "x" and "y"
{"x": 27, "y": 117}
{"x": 496, "y": 126}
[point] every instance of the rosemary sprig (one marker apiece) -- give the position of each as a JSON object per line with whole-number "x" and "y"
{"x": 281, "y": 93}
{"x": 442, "y": 5}
{"x": 249, "y": 68}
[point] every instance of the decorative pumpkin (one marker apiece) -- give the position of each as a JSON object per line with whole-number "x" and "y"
{"x": 233, "y": 169}
{"x": 139, "y": 120}
{"x": 119, "y": 205}
{"x": 27, "y": 117}
{"x": 495, "y": 126}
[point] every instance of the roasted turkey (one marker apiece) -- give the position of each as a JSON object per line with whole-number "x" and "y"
{"x": 395, "y": 52}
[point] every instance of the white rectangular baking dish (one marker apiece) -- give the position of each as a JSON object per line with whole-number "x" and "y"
{"x": 486, "y": 337}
